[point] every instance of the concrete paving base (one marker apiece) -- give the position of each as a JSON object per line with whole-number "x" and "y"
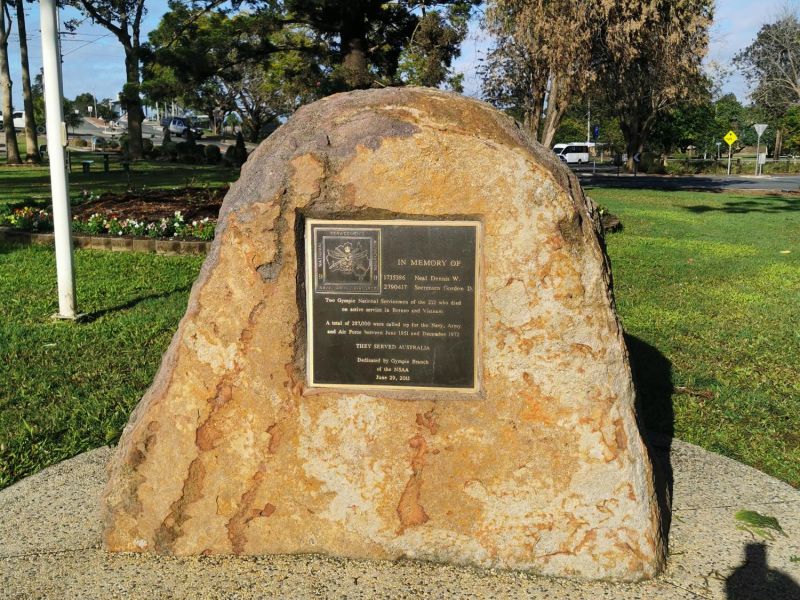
{"x": 50, "y": 548}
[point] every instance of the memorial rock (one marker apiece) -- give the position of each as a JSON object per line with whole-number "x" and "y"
{"x": 402, "y": 344}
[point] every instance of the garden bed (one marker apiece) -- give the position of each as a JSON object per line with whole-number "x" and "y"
{"x": 193, "y": 202}
{"x": 187, "y": 213}
{"x": 109, "y": 242}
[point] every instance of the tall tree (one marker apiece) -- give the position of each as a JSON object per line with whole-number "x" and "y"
{"x": 123, "y": 18}
{"x": 652, "y": 51}
{"x": 436, "y": 41}
{"x": 252, "y": 63}
{"x": 368, "y": 37}
{"x": 542, "y": 60}
{"x": 188, "y": 56}
{"x": 771, "y": 65}
{"x": 31, "y": 141}
{"x": 12, "y": 148}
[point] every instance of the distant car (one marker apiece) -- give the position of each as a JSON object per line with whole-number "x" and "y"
{"x": 179, "y": 125}
{"x": 19, "y": 123}
{"x": 19, "y": 120}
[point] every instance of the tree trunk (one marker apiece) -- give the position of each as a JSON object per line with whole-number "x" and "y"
{"x": 778, "y": 144}
{"x": 556, "y": 107}
{"x": 12, "y": 150}
{"x": 354, "y": 56}
{"x": 634, "y": 141}
{"x": 133, "y": 103}
{"x": 533, "y": 117}
{"x": 31, "y": 141}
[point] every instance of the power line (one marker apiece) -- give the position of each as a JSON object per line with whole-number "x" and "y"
{"x": 84, "y": 45}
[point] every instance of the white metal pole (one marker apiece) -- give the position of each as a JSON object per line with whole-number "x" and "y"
{"x": 730, "y": 153}
{"x": 56, "y": 140}
{"x": 758, "y": 149}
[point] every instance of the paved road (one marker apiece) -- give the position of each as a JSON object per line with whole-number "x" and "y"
{"x": 689, "y": 182}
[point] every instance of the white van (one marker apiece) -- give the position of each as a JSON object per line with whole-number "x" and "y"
{"x": 575, "y": 153}
{"x": 19, "y": 120}
{"x": 558, "y": 148}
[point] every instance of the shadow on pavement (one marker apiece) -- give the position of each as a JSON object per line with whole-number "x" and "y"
{"x": 754, "y": 580}
{"x": 652, "y": 376}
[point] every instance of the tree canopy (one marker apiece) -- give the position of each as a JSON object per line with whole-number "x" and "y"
{"x": 771, "y": 64}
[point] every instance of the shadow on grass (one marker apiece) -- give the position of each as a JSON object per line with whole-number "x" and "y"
{"x": 93, "y": 316}
{"x": 652, "y": 376}
{"x": 768, "y": 205}
{"x": 9, "y": 247}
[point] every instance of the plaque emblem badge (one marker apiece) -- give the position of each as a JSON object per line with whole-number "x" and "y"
{"x": 347, "y": 260}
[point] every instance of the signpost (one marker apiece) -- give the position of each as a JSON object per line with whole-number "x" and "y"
{"x": 730, "y": 138}
{"x": 760, "y": 129}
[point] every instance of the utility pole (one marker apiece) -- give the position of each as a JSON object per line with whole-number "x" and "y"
{"x": 56, "y": 141}
{"x": 588, "y": 119}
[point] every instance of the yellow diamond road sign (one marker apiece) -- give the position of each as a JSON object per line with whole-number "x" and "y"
{"x": 730, "y": 137}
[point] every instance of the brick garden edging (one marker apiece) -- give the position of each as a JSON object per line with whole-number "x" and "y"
{"x": 116, "y": 244}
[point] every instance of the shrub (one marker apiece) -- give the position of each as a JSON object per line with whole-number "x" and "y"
{"x": 147, "y": 147}
{"x": 213, "y": 154}
{"x": 124, "y": 140}
{"x": 651, "y": 163}
{"x": 113, "y": 144}
{"x": 169, "y": 149}
{"x": 188, "y": 158}
{"x": 240, "y": 152}
{"x": 80, "y": 143}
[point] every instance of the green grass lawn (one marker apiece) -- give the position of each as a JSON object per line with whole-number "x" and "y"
{"x": 708, "y": 300}
{"x": 65, "y": 388}
{"x": 23, "y": 184}
{"x": 704, "y": 290}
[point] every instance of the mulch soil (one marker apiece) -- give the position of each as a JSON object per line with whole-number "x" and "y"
{"x": 153, "y": 205}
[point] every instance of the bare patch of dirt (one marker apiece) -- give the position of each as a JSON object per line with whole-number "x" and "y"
{"x": 151, "y": 205}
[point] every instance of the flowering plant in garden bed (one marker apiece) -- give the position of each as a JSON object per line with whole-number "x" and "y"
{"x": 176, "y": 227}
{"x": 28, "y": 219}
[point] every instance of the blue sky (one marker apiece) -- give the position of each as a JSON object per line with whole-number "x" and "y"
{"x": 95, "y": 63}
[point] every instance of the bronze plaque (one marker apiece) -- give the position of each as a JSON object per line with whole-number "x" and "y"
{"x": 392, "y": 304}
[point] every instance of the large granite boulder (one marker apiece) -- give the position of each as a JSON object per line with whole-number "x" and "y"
{"x": 543, "y": 470}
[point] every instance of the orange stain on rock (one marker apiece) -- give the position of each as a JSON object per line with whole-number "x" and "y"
{"x": 409, "y": 509}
